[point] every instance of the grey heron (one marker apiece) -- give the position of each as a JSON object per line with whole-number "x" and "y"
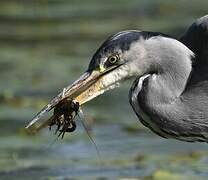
{"x": 170, "y": 79}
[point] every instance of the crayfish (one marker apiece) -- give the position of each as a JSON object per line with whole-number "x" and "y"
{"x": 63, "y": 116}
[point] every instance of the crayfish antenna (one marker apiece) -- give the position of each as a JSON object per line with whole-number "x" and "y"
{"x": 82, "y": 118}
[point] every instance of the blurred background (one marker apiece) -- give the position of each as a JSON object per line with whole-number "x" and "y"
{"x": 44, "y": 46}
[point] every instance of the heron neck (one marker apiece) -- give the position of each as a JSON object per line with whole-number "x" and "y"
{"x": 171, "y": 70}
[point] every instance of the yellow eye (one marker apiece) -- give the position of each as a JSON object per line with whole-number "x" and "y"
{"x": 113, "y": 59}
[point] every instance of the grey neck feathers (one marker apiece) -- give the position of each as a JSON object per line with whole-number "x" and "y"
{"x": 170, "y": 63}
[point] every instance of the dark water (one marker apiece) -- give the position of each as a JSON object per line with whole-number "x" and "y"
{"x": 44, "y": 46}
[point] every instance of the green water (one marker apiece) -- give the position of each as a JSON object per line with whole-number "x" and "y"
{"x": 44, "y": 46}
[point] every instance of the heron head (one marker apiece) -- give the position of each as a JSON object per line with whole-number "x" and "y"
{"x": 119, "y": 58}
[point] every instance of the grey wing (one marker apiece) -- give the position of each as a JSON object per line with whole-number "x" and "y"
{"x": 195, "y": 95}
{"x": 196, "y": 39}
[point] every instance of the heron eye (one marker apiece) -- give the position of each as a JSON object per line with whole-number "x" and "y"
{"x": 113, "y": 59}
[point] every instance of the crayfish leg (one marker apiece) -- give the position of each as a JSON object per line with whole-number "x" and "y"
{"x": 72, "y": 127}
